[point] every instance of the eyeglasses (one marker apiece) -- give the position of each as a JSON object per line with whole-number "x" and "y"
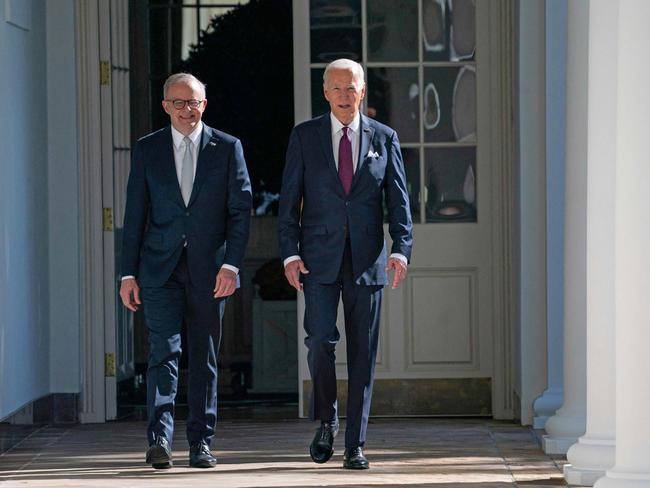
{"x": 180, "y": 104}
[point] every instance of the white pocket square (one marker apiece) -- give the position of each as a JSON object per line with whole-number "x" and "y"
{"x": 372, "y": 154}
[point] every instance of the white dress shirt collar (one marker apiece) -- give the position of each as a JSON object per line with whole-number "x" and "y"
{"x": 195, "y": 136}
{"x": 353, "y": 126}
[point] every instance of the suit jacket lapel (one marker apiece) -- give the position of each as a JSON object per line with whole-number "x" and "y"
{"x": 365, "y": 139}
{"x": 325, "y": 136}
{"x": 206, "y": 147}
{"x": 168, "y": 165}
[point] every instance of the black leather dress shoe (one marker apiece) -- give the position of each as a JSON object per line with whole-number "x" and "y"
{"x": 159, "y": 454}
{"x": 321, "y": 449}
{"x": 200, "y": 456}
{"x": 354, "y": 459}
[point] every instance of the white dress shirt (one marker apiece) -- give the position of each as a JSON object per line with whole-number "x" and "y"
{"x": 355, "y": 138}
{"x": 179, "y": 152}
{"x": 179, "y": 149}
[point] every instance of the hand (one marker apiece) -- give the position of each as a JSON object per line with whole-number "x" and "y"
{"x": 130, "y": 294}
{"x": 293, "y": 270}
{"x": 226, "y": 283}
{"x": 400, "y": 271}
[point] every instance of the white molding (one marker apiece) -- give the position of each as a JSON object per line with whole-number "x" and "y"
{"x": 302, "y": 112}
{"x": 501, "y": 53}
{"x": 466, "y": 366}
{"x": 90, "y": 213}
{"x": 107, "y": 23}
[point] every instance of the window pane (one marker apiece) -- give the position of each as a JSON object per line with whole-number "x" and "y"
{"x": 392, "y": 30}
{"x": 435, "y": 36}
{"x": 450, "y": 184}
{"x": 318, "y": 103}
{"x": 190, "y": 32}
{"x": 216, "y": 3}
{"x": 450, "y": 104}
{"x": 463, "y": 29}
{"x": 207, "y": 14}
{"x": 448, "y": 30}
{"x": 190, "y": 27}
{"x": 159, "y": 33}
{"x": 335, "y": 30}
{"x": 393, "y": 99}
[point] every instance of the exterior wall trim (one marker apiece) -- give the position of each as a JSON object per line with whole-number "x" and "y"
{"x": 502, "y": 55}
{"x": 92, "y": 400}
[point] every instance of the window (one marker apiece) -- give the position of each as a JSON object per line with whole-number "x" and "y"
{"x": 174, "y": 27}
{"x": 419, "y": 57}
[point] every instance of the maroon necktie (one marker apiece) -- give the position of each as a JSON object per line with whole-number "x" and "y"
{"x": 345, "y": 161}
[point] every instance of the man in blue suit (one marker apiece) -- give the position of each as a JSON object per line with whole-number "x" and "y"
{"x": 186, "y": 226}
{"x": 341, "y": 169}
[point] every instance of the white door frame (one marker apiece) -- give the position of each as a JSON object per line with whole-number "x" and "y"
{"x": 500, "y": 41}
{"x": 97, "y": 139}
{"x": 501, "y": 54}
{"x": 93, "y": 407}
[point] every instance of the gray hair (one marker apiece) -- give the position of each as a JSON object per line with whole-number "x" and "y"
{"x": 180, "y": 78}
{"x": 344, "y": 63}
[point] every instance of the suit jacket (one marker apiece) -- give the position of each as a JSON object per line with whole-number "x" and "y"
{"x": 157, "y": 223}
{"x": 315, "y": 214}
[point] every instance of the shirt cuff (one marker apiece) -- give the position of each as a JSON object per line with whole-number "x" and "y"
{"x": 401, "y": 257}
{"x": 295, "y": 257}
{"x": 231, "y": 268}
{"x": 128, "y": 277}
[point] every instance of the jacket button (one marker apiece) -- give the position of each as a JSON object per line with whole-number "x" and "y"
{"x": 183, "y": 236}
{"x": 187, "y": 214}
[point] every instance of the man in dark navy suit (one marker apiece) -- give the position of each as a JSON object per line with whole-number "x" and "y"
{"x": 342, "y": 168}
{"x": 185, "y": 230}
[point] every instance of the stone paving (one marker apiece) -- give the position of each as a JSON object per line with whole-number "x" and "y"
{"x": 441, "y": 453}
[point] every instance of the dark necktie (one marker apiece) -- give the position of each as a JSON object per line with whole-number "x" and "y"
{"x": 346, "y": 171}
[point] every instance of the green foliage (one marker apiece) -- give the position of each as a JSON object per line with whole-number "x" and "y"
{"x": 245, "y": 57}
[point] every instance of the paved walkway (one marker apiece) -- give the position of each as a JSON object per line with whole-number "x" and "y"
{"x": 415, "y": 453}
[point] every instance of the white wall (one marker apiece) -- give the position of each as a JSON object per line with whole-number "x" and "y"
{"x": 63, "y": 198}
{"x": 39, "y": 324}
{"x": 24, "y": 273}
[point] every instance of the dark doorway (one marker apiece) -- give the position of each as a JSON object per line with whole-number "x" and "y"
{"x": 243, "y": 52}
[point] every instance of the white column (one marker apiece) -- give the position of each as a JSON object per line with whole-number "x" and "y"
{"x": 632, "y": 244}
{"x": 556, "y": 31}
{"x": 532, "y": 275}
{"x": 593, "y": 454}
{"x": 568, "y": 423}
